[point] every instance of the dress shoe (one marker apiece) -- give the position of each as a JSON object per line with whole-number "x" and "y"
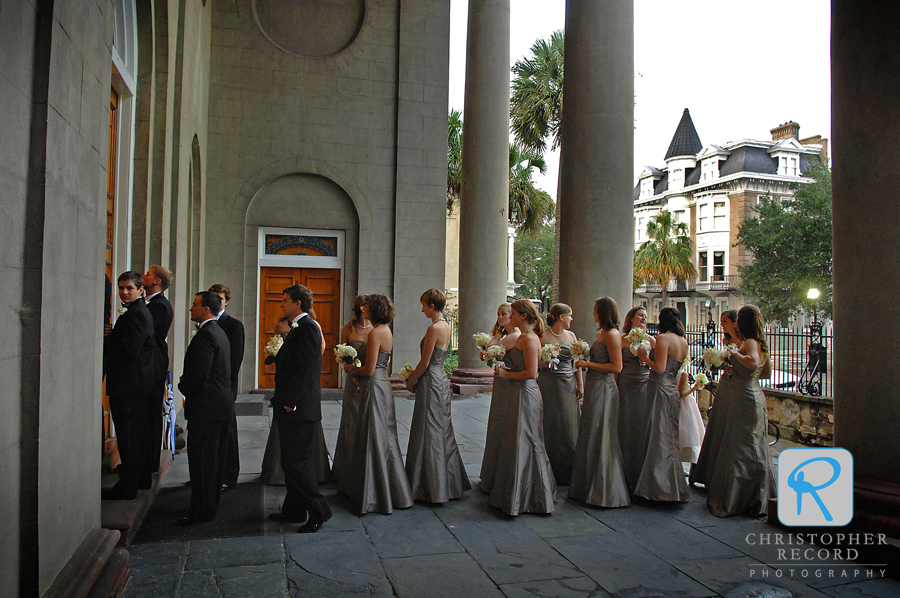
{"x": 282, "y": 518}
{"x": 312, "y": 527}
{"x": 185, "y": 521}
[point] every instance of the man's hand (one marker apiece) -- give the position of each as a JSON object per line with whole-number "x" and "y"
{"x": 290, "y": 409}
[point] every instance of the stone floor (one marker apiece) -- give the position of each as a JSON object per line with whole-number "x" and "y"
{"x": 466, "y": 548}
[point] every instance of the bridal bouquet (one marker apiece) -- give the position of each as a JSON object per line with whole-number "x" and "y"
{"x": 701, "y": 380}
{"x": 494, "y": 354}
{"x": 550, "y": 354}
{"x": 581, "y": 350}
{"x": 638, "y": 338}
{"x": 405, "y": 372}
{"x": 482, "y": 339}
{"x": 716, "y": 357}
{"x": 274, "y": 344}
{"x": 346, "y": 354}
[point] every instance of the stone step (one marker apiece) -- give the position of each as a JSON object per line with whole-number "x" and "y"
{"x": 84, "y": 568}
{"x": 114, "y": 576}
{"x": 126, "y": 516}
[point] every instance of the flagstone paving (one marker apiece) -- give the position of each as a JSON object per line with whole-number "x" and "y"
{"x": 467, "y": 548}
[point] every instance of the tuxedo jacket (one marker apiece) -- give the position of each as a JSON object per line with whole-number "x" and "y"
{"x": 234, "y": 330}
{"x": 162, "y": 314}
{"x": 129, "y": 352}
{"x": 298, "y": 366}
{"x": 206, "y": 380}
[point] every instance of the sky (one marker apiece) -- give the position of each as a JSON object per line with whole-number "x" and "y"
{"x": 741, "y": 68}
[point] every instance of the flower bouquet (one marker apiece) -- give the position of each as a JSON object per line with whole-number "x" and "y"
{"x": 580, "y": 350}
{"x": 701, "y": 380}
{"x": 716, "y": 358}
{"x": 493, "y": 355}
{"x": 405, "y": 372}
{"x": 482, "y": 339}
{"x": 638, "y": 338}
{"x": 346, "y": 354}
{"x": 274, "y": 345}
{"x": 550, "y": 354}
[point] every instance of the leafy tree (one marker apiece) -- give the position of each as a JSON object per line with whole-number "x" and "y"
{"x": 529, "y": 207}
{"x": 666, "y": 254}
{"x": 454, "y": 158}
{"x": 791, "y": 244}
{"x": 534, "y": 263}
{"x": 535, "y": 106}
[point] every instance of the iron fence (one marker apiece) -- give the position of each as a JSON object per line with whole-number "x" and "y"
{"x": 453, "y": 320}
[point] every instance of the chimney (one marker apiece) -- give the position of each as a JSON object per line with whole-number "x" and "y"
{"x": 786, "y": 131}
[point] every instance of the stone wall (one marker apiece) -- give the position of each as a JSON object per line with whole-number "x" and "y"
{"x": 803, "y": 419}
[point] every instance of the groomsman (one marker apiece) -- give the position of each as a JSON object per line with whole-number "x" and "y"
{"x": 156, "y": 281}
{"x": 129, "y": 354}
{"x": 298, "y": 411}
{"x": 234, "y": 330}
{"x": 208, "y": 406}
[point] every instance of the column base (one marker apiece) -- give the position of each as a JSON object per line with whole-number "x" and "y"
{"x": 469, "y": 381}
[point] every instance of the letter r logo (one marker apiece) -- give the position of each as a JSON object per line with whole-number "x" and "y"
{"x": 815, "y": 487}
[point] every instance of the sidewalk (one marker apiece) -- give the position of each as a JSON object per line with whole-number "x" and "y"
{"x": 466, "y": 548}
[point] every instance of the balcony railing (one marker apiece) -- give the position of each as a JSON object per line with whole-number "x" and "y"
{"x": 728, "y": 282}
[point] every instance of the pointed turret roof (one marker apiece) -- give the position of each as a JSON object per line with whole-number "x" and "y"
{"x": 685, "y": 142}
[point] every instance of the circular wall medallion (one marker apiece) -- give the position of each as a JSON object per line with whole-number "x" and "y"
{"x": 313, "y": 28}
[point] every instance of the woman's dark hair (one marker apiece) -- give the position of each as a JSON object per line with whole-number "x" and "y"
{"x": 358, "y": 302}
{"x": 626, "y": 323}
{"x": 435, "y": 298}
{"x": 607, "y": 313}
{"x": 731, "y": 314}
{"x": 557, "y": 310}
{"x": 527, "y": 309}
{"x": 670, "y": 321}
{"x": 381, "y": 310}
{"x": 750, "y": 325}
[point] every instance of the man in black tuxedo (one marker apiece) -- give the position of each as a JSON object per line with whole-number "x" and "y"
{"x": 298, "y": 410}
{"x": 234, "y": 330}
{"x": 208, "y": 406}
{"x": 129, "y": 354}
{"x": 156, "y": 281}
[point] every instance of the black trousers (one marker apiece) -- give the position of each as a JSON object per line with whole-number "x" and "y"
{"x": 206, "y": 445}
{"x": 133, "y": 442}
{"x": 232, "y": 455}
{"x": 303, "y": 496}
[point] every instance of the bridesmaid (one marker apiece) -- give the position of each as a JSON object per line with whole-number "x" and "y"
{"x": 504, "y": 333}
{"x": 561, "y": 387}
{"x": 435, "y": 469}
{"x": 524, "y": 481}
{"x": 743, "y": 480}
{"x": 375, "y": 479}
{"x": 634, "y": 404}
{"x": 662, "y": 476}
{"x": 598, "y": 477}
{"x": 354, "y": 334}
{"x": 702, "y": 470}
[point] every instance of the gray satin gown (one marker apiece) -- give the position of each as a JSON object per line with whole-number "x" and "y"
{"x": 495, "y": 425}
{"x": 523, "y": 482}
{"x": 560, "y": 414}
{"x": 662, "y": 476}
{"x": 744, "y": 476}
{"x": 273, "y": 475}
{"x": 634, "y": 415}
{"x": 598, "y": 477}
{"x": 718, "y": 416}
{"x": 376, "y": 480}
{"x": 433, "y": 464}
{"x": 343, "y": 449}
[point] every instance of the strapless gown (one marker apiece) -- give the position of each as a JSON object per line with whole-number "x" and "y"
{"x": 343, "y": 449}
{"x": 433, "y": 464}
{"x": 495, "y": 425}
{"x": 703, "y": 470}
{"x": 557, "y": 388}
{"x": 634, "y": 415}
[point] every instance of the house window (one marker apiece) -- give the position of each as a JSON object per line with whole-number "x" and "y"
{"x": 704, "y": 265}
{"x": 703, "y": 216}
{"x": 719, "y": 214}
{"x": 794, "y": 166}
{"x": 640, "y": 229}
{"x": 718, "y": 265}
{"x": 679, "y": 216}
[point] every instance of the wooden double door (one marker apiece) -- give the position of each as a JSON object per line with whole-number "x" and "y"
{"x": 325, "y": 285}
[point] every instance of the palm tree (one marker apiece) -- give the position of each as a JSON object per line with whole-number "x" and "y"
{"x": 529, "y": 207}
{"x": 454, "y": 158}
{"x": 535, "y": 107}
{"x": 666, "y": 254}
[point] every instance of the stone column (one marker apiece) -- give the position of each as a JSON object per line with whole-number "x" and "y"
{"x": 596, "y": 161}
{"x": 485, "y": 174}
{"x": 511, "y": 256}
{"x": 865, "y": 57}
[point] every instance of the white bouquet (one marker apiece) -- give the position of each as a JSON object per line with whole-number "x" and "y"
{"x": 716, "y": 357}
{"x": 701, "y": 380}
{"x": 638, "y": 338}
{"x": 274, "y": 344}
{"x": 494, "y": 354}
{"x": 550, "y": 354}
{"x": 581, "y": 350}
{"x": 346, "y": 354}
{"x": 405, "y": 372}
{"x": 482, "y": 339}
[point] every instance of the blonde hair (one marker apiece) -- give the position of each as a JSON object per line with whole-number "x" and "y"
{"x": 499, "y": 330}
{"x": 527, "y": 309}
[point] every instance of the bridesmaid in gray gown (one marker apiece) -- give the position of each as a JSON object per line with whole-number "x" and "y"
{"x": 634, "y": 404}
{"x": 718, "y": 414}
{"x": 433, "y": 464}
{"x": 376, "y": 480}
{"x": 523, "y": 482}
{"x": 353, "y": 333}
{"x": 598, "y": 477}
{"x": 662, "y": 476}
{"x": 743, "y": 479}
{"x": 497, "y": 413}
{"x": 561, "y": 386}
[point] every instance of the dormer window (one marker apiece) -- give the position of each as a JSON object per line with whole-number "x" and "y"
{"x": 647, "y": 187}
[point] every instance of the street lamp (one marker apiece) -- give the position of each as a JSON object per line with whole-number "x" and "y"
{"x": 817, "y": 354}
{"x": 710, "y": 323}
